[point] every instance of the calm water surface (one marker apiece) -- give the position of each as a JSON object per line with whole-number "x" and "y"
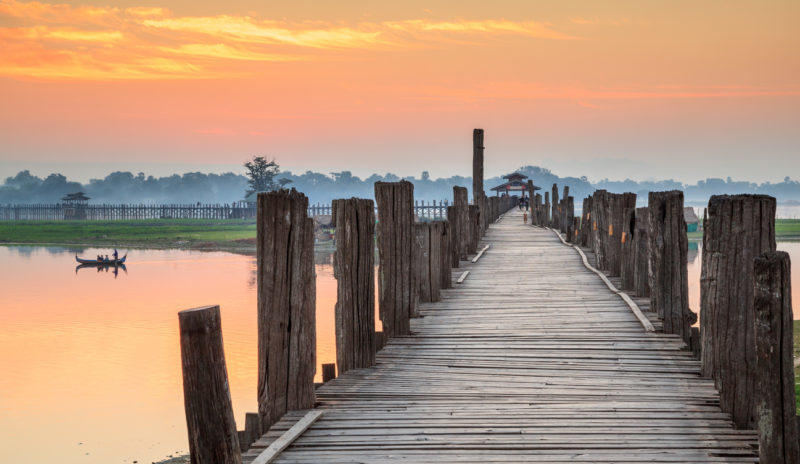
{"x": 90, "y": 362}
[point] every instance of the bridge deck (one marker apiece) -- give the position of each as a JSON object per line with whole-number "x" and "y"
{"x": 531, "y": 359}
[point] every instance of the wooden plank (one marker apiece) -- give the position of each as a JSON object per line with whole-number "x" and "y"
{"x": 463, "y": 276}
{"x": 269, "y": 454}
{"x": 480, "y": 253}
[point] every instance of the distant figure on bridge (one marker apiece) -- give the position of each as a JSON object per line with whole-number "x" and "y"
{"x": 525, "y": 217}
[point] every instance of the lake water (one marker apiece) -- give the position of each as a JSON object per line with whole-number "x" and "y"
{"x": 90, "y": 361}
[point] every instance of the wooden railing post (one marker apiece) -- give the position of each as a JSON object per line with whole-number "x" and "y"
{"x": 586, "y": 214}
{"x": 286, "y": 285}
{"x": 669, "y": 287}
{"x": 206, "y": 397}
{"x": 775, "y": 395}
{"x": 397, "y": 287}
{"x": 738, "y": 228}
{"x": 354, "y": 269}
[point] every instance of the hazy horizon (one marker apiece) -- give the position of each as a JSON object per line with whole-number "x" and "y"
{"x": 618, "y": 89}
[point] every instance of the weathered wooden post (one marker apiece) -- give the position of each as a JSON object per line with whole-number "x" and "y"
{"x": 546, "y": 210}
{"x": 422, "y": 259}
{"x": 554, "y": 207}
{"x": 445, "y": 256}
{"x": 586, "y": 213}
{"x": 354, "y": 269}
{"x": 562, "y": 220}
{"x": 641, "y": 271}
{"x": 569, "y": 214}
{"x": 628, "y": 252}
{"x": 478, "y": 195}
{"x": 669, "y": 284}
{"x": 474, "y": 228}
{"x": 600, "y": 228}
{"x": 538, "y": 207}
{"x": 397, "y": 287}
{"x": 775, "y": 395}
{"x": 455, "y": 257}
{"x": 462, "y": 219}
{"x": 286, "y": 285}
{"x": 738, "y": 228}
{"x": 206, "y": 397}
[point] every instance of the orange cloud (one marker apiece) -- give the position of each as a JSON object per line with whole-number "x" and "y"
{"x": 63, "y": 41}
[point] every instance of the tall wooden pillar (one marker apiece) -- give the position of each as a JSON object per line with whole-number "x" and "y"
{"x": 286, "y": 305}
{"x": 478, "y": 195}
{"x": 397, "y": 287}
{"x": 738, "y": 228}
{"x": 669, "y": 287}
{"x": 354, "y": 269}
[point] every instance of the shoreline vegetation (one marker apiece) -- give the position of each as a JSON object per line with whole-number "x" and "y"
{"x": 238, "y": 236}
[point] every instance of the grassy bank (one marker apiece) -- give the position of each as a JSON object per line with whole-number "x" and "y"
{"x": 785, "y": 229}
{"x": 163, "y": 233}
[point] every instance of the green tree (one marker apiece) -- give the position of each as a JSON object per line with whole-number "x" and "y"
{"x": 261, "y": 175}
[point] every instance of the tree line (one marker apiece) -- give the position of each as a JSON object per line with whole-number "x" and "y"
{"x": 194, "y": 187}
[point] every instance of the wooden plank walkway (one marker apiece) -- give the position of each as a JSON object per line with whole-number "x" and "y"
{"x": 531, "y": 359}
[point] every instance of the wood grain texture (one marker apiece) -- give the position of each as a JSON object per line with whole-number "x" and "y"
{"x": 537, "y": 362}
{"x": 555, "y": 216}
{"x": 461, "y": 219}
{"x": 354, "y": 269}
{"x": 738, "y": 228}
{"x": 641, "y": 238}
{"x": 628, "y": 251}
{"x": 668, "y": 248}
{"x": 446, "y": 257}
{"x": 478, "y": 194}
{"x": 397, "y": 287}
{"x": 775, "y": 404}
{"x": 207, "y": 400}
{"x": 286, "y": 286}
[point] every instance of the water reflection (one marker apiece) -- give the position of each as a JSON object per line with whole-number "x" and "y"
{"x": 103, "y": 267}
{"x": 71, "y": 365}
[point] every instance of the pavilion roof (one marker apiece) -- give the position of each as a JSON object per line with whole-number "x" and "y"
{"x": 77, "y": 196}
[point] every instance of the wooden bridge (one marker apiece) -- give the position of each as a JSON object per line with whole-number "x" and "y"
{"x": 531, "y": 359}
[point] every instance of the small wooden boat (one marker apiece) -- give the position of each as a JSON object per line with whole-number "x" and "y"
{"x": 105, "y": 262}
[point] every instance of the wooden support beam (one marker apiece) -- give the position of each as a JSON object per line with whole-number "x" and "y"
{"x": 480, "y": 253}
{"x": 463, "y": 277}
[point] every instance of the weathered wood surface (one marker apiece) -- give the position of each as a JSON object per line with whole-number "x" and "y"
{"x": 446, "y": 257}
{"x": 738, "y": 228}
{"x": 641, "y": 272}
{"x": 354, "y": 269}
{"x": 775, "y": 406}
{"x": 461, "y": 219}
{"x": 554, "y": 213}
{"x": 397, "y": 288}
{"x": 478, "y": 194}
{"x": 628, "y": 251}
{"x": 586, "y": 223}
{"x": 207, "y": 399}
{"x": 669, "y": 286}
{"x": 474, "y": 229}
{"x": 526, "y": 363}
{"x": 286, "y": 305}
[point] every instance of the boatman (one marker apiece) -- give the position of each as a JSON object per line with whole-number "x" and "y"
{"x": 116, "y": 255}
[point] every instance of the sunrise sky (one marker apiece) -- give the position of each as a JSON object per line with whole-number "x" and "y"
{"x": 641, "y": 89}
